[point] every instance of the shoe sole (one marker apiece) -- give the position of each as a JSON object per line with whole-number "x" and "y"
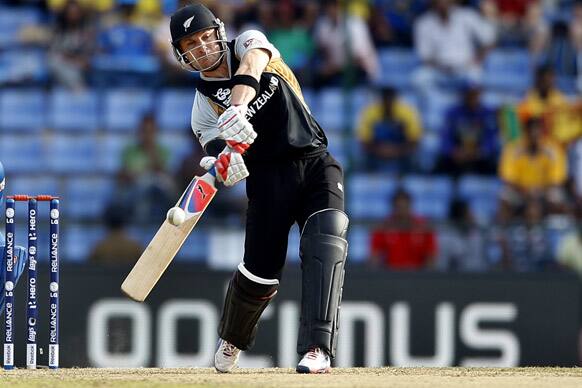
{"x": 304, "y": 369}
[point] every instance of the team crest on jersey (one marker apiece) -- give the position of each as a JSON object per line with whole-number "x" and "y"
{"x": 223, "y": 95}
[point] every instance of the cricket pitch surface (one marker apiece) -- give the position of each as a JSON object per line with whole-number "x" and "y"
{"x": 280, "y": 377}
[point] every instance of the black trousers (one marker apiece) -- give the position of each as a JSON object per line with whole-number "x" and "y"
{"x": 279, "y": 195}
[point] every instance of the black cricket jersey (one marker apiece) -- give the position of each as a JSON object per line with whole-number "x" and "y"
{"x": 284, "y": 125}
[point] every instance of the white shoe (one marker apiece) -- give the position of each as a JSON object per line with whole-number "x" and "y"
{"x": 315, "y": 360}
{"x": 226, "y": 357}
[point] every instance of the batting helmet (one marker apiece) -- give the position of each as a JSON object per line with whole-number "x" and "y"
{"x": 192, "y": 19}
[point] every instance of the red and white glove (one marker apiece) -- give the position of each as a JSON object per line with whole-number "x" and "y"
{"x": 236, "y": 129}
{"x": 230, "y": 166}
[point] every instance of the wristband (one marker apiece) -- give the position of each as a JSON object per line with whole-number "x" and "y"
{"x": 248, "y": 80}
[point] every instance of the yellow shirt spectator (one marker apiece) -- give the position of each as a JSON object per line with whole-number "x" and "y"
{"x": 97, "y": 5}
{"x": 563, "y": 121}
{"x": 541, "y": 170}
{"x": 401, "y": 112}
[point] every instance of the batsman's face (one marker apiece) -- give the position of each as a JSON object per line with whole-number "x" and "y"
{"x": 202, "y": 50}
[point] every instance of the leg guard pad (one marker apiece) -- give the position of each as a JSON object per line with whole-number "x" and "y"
{"x": 245, "y": 302}
{"x": 323, "y": 250}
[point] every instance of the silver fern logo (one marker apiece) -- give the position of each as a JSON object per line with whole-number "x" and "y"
{"x": 188, "y": 22}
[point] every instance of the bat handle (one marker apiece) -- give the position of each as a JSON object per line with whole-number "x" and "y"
{"x": 212, "y": 171}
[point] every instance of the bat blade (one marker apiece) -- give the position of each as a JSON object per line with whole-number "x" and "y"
{"x": 167, "y": 242}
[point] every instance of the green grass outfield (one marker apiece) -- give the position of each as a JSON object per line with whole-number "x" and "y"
{"x": 277, "y": 377}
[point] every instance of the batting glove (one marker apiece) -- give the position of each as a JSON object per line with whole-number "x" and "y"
{"x": 230, "y": 166}
{"x": 235, "y": 128}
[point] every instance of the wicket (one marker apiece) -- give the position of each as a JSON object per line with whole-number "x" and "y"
{"x": 31, "y": 311}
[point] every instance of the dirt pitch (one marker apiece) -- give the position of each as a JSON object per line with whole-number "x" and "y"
{"x": 276, "y": 377}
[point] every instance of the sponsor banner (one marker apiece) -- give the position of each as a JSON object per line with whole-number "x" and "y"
{"x": 386, "y": 319}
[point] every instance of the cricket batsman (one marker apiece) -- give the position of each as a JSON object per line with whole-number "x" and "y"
{"x": 250, "y": 116}
{"x": 19, "y": 252}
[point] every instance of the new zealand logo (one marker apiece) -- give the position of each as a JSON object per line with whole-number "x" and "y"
{"x": 187, "y": 23}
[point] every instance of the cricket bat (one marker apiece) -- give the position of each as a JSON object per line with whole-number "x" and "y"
{"x": 165, "y": 245}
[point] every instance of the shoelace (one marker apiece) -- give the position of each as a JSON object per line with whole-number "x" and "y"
{"x": 228, "y": 349}
{"x": 313, "y": 353}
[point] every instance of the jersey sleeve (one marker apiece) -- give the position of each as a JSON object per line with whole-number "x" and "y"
{"x": 253, "y": 39}
{"x": 203, "y": 120}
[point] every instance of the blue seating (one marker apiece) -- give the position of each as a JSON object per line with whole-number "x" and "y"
{"x": 23, "y": 65}
{"x": 12, "y": 20}
{"x": 86, "y": 198}
{"x": 330, "y": 109}
{"x": 482, "y": 194}
{"x": 174, "y": 108}
{"x": 336, "y": 146}
{"x": 567, "y": 85}
{"x": 431, "y": 196}
{"x": 23, "y": 154}
{"x": 195, "y": 248}
{"x": 179, "y": 145}
{"x": 124, "y": 108}
{"x": 496, "y": 99}
{"x": 110, "y": 153}
{"x": 22, "y": 110}
{"x": 78, "y": 241}
{"x": 369, "y": 195}
{"x": 36, "y": 184}
{"x": 74, "y": 111}
{"x": 428, "y": 151}
{"x": 508, "y": 70}
{"x": 437, "y": 104}
{"x": 359, "y": 248}
{"x": 397, "y": 67}
{"x": 73, "y": 154}
{"x": 310, "y": 98}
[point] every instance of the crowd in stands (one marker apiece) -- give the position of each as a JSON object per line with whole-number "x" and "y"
{"x": 459, "y": 122}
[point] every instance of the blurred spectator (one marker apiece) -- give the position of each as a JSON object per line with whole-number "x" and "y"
{"x": 452, "y": 43}
{"x": 144, "y": 183}
{"x": 520, "y": 23}
{"x": 470, "y": 137}
{"x": 391, "y": 23}
{"x": 335, "y": 31}
{"x": 526, "y": 245}
{"x": 292, "y": 38}
{"x": 561, "y": 53}
{"x": 562, "y": 119}
{"x": 126, "y": 52}
{"x": 533, "y": 167}
{"x": 389, "y": 132}
{"x": 72, "y": 46}
{"x": 461, "y": 242}
{"x": 125, "y": 37}
{"x": 117, "y": 248}
{"x": 96, "y": 5}
{"x": 404, "y": 241}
